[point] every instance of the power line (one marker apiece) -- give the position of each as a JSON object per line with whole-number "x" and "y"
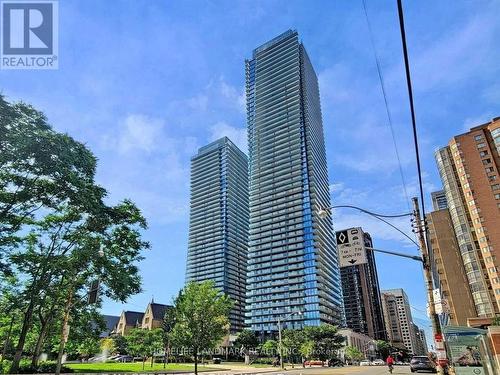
{"x": 372, "y": 213}
{"x": 389, "y": 117}
{"x": 412, "y": 107}
{"x": 379, "y": 217}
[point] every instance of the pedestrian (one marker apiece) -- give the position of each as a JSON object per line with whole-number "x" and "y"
{"x": 390, "y": 363}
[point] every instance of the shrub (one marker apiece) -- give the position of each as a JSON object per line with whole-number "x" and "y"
{"x": 5, "y": 366}
{"x": 43, "y": 368}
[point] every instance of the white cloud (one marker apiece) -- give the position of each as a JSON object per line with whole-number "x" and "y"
{"x": 373, "y": 149}
{"x": 454, "y": 56}
{"x": 198, "y": 102}
{"x": 139, "y": 132}
{"x": 151, "y": 167}
{"x": 235, "y": 96}
{"x": 237, "y": 135}
{"x": 335, "y": 187}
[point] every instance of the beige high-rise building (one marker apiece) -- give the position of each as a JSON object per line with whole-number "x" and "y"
{"x": 448, "y": 265}
{"x": 391, "y": 319}
{"x": 469, "y": 169}
{"x": 397, "y": 299}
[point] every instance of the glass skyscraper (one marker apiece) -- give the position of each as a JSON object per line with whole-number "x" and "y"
{"x": 362, "y": 303}
{"x": 293, "y": 271}
{"x": 218, "y": 227}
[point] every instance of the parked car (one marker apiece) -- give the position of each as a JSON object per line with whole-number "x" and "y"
{"x": 422, "y": 363}
{"x": 365, "y": 363}
{"x": 335, "y": 362}
{"x": 123, "y": 358}
{"x": 216, "y": 360}
{"x": 98, "y": 358}
{"x": 378, "y": 362}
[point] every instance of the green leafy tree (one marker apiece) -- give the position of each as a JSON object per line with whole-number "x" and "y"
{"x": 88, "y": 348}
{"x": 107, "y": 346}
{"x": 246, "y": 340}
{"x": 143, "y": 343}
{"x": 269, "y": 348}
{"x": 307, "y": 349}
{"x": 292, "y": 340}
{"x": 353, "y": 354}
{"x": 167, "y": 326}
{"x": 56, "y": 231}
{"x": 327, "y": 341}
{"x": 154, "y": 343}
{"x": 39, "y": 170}
{"x": 383, "y": 348}
{"x": 201, "y": 318}
{"x": 120, "y": 344}
{"x": 136, "y": 343}
{"x": 10, "y": 316}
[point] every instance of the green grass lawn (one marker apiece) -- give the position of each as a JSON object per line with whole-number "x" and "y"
{"x": 133, "y": 367}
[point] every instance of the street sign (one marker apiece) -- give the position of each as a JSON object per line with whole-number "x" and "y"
{"x": 441, "y": 304}
{"x": 351, "y": 247}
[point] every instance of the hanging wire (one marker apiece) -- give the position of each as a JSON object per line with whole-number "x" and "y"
{"x": 384, "y": 94}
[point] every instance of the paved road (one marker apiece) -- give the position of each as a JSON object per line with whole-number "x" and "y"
{"x": 349, "y": 370}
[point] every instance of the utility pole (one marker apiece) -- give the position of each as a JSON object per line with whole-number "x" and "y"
{"x": 420, "y": 230}
{"x": 280, "y": 344}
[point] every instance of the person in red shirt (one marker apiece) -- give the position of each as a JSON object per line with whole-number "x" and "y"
{"x": 390, "y": 363}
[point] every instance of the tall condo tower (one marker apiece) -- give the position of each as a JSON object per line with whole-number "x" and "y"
{"x": 362, "y": 303}
{"x": 293, "y": 271}
{"x": 218, "y": 224}
{"x": 470, "y": 171}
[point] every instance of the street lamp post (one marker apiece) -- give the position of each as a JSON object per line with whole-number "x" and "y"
{"x": 279, "y": 335}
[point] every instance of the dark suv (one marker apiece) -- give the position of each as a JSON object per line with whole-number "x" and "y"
{"x": 422, "y": 363}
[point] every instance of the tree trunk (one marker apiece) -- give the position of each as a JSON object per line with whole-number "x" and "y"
{"x": 28, "y": 315}
{"x": 165, "y": 359}
{"x": 195, "y": 361}
{"x": 7, "y": 339}
{"x": 247, "y": 358}
{"x": 143, "y": 362}
{"x": 41, "y": 339}
{"x": 64, "y": 331}
{"x": 152, "y": 359}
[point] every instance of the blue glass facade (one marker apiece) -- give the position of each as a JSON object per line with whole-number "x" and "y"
{"x": 292, "y": 258}
{"x": 218, "y": 227}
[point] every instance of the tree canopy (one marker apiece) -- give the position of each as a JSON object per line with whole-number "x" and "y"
{"x": 58, "y": 235}
{"x": 201, "y": 318}
{"x": 246, "y": 341}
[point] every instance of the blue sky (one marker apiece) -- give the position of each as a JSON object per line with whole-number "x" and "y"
{"x": 145, "y": 83}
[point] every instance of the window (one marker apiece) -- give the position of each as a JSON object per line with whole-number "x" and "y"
{"x": 497, "y": 291}
{"x": 478, "y": 137}
{"x": 486, "y": 161}
{"x": 481, "y": 145}
{"x": 483, "y": 153}
{"x": 495, "y": 187}
{"x": 497, "y": 196}
{"x": 492, "y": 178}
